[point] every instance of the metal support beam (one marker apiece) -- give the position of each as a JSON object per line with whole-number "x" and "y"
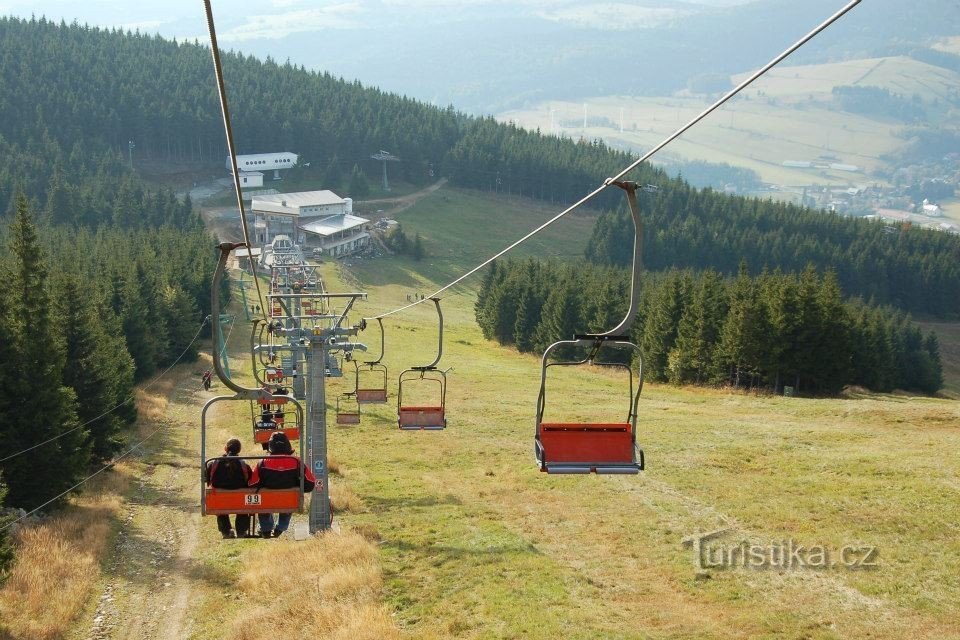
{"x": 320, "y": 515}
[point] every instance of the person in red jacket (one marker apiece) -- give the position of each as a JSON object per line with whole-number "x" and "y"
{"x": 281, "y": 470}
{"x": 229, "y": 472}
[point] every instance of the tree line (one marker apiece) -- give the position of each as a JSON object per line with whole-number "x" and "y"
{"x": 65, "y": 110}
{"x": 85, "y": 315}
{"x": 767, "y": 331}
{"x": 914, "y": 269}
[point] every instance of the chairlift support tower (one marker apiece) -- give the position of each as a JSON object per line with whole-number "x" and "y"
{"x": 385, "y": 157}
{"x": 314, "y": 344}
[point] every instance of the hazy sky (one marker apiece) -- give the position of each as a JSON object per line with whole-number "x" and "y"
{"x": 245, "y": 20}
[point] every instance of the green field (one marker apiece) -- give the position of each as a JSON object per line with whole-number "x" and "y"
{"x": 476, "y": 543}
{"x": 786, "y": 115}
{"x": 462, "y": 228}
{"x": 470, "y": 540}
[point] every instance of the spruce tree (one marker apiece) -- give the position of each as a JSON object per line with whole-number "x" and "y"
{"x": 359, "y": 187}
{"x": 560, "y": 318}
{"x": 833, "y": 346}
{"x": 660, "y": 330}
{"x": 36, "y": 355}
{"x": 101, "y": 377}
{"x": 418, "y": 252}
{"x": 933, "y": 376}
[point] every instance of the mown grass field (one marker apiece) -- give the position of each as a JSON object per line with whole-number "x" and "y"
{"x": 786, "y": 115}
{"x": 456, "y": 534}
{"x": 477, "y": 543}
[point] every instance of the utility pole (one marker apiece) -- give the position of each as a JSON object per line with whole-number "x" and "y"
{"x": 130, "y": 147}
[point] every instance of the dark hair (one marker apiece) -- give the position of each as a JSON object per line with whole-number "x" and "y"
{"x": 233, "y": 446}
{"x": 280, "y": 444}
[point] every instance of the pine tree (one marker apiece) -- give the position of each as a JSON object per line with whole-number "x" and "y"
{"x": 560, "y": 318}
{"x": 698, "y": 333}
{"x": 738, "y": 354}
{"x": 833, "y": 347}
{"x": 933, "y": 381}
{"x": 418, "y": 251}
{"x": 332, "y": 177}
{"x": 36, "y": 353}
{"x": 359, "y": 187}
{"x": 101, "y": 377}
{"x": 660, "y": 330}
{"x": 6, "y": 544}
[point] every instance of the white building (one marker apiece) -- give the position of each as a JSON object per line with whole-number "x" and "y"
{"x": 337, "y": 235}
{"x": 250, "y": 179}
{"x": 265, "y": 162}
{"x": 318, "y": 220}
{"x": 930, "y": 209}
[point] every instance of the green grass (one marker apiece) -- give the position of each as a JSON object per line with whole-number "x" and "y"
{"x": 461, "y": 229}
{"x": 476, "y": 543}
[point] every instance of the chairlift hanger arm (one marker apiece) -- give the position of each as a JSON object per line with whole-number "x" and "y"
{"x": 433, "y": 365}
{"x": 383, "y": 343}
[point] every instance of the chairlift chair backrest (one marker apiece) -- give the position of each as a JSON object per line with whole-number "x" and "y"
{"x": 597, "y": 447}
{"x": 431, "y": 417}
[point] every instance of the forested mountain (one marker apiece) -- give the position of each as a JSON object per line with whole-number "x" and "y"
{"x": 78, "y": 95}
{"x": 697, "y": 327}
{"x": 915, "y": 269}
{"x": 488, "y": 55}
{"x": 107, "y": 281}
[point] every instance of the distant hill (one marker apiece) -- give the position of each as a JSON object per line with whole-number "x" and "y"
{"x": 486, "y": 57}
{"x": 75, "y": 95}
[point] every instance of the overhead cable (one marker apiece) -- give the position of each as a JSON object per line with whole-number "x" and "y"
{"x": 228, "y": 128}
{"x": 109, "y": 411}
{"x": 609, "y": 181}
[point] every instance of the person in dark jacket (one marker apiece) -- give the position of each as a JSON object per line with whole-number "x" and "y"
{"x": 266, "y": 422}
{"x": 229, "y": 472}
{"x": 281, "y": 470}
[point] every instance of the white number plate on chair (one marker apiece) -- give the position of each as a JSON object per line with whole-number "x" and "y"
{"x": 251, "y": 499}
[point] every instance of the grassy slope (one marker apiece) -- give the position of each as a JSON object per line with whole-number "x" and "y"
{"x": 477, "y": 543}
{"x": 789, "y": 121}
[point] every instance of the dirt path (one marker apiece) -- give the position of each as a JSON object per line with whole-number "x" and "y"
{"x": 394, "y": 206}
{"x": 150, "y": 577}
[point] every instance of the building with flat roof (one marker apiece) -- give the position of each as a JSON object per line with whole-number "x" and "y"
{"x": 320, "y": 221}
{"x": 264, "y": 162}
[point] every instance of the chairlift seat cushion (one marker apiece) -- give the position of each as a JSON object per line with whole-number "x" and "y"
{"x": 228, "y": 501}
{"x": 422, "y": 417}
{"x": 261, "y": 436}
{"x": 590, "y": 444}
{"x": 348, "y": 418}
{"x": 371, "y": 395}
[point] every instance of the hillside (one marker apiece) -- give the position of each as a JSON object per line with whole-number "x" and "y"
{"x": 790, "y": 114}
{"x": 519, "y": 54}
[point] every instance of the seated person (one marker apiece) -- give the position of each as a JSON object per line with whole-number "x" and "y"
{"x": 229, "y": 472}
{"x": 279, "y": 471}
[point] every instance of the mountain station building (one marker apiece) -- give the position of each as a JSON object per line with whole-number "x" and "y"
{"x": 319, "y": 221}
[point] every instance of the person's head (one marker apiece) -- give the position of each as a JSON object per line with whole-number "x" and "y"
{"x": 266, "y": 416}
{"x": 233, "y": 446}
{"x": 279, "y": 444}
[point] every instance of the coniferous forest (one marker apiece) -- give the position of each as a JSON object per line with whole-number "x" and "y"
{"x": 768, "y": 331}
{"x": 113, "y": 276}
{"x": 112, "y": 87}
